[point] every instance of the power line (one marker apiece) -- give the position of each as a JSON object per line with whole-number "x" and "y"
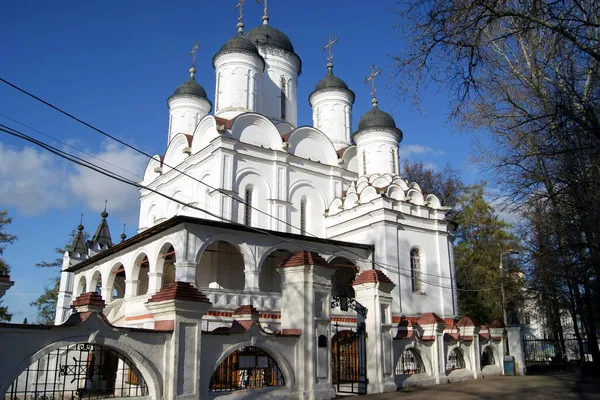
{"x": 196, "y": 179}
{"x": 113, "y": 175}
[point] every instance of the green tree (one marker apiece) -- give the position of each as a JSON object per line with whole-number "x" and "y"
{"x": 46, "y": 302}
{"x": 481, "y": 237}
{"x": 5, "y": 238}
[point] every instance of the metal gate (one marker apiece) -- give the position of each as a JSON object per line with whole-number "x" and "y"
{"x": 543, "y": 355}
{"x": 349, "y": 351}
{"x": 79, "y": 371}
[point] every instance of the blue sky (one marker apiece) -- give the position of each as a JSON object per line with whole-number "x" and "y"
{"x": 114, "y": 63}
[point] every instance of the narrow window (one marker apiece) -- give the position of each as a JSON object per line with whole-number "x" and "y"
{"x": 415, "y": 270}
{"x": 218, "y": 91}
{"x": 248, "y": 207}
{"x": 395, "y": 160}
{"x": 283, "y": 97}
{"x": 303, "y": 216}
{"x": 364, "y": 157}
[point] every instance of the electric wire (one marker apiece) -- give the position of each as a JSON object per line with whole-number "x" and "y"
{"x": 110, "y": 174}
{"x": 387, "y": 266}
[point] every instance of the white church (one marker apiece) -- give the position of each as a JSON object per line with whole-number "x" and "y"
{"x": 271, "y": 260}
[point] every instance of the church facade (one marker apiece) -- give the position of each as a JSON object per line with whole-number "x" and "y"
{"x": 269, "y": 254}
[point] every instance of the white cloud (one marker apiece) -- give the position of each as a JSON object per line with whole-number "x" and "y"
{"x": 31, "y": 180}
{"x": 34, "y": 181}
{"x": 416, "y": 149}
{"x": 93, "y": 188}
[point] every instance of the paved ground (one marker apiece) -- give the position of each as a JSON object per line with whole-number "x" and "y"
{"x": 502, "y": 387}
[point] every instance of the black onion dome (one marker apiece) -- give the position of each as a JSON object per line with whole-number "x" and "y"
{"x": 376, "y": 118}
{"x": 266, "y": 34}
{"x": 191, "y": 88}
{"x": 239, "y": 42}
{"x": 331, "y": 81}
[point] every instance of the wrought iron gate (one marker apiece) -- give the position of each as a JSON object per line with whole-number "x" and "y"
{"x": 79, "y": 371}
{"x": 543, "y": 355}
{"x": 349, "y": 352}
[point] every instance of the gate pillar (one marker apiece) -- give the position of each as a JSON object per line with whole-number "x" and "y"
{"x": 305, "y": 304}
{"x": 373, "y": 290}
{"x": 179, "y": 307}
{"x": 516, "y": 348}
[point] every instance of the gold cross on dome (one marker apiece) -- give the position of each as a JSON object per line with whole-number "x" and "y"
{"x": 193, "y": 53}
{"x": 240, "y": 5}
{"x": 372, "y": 79}
{"x": 329, "y": 47}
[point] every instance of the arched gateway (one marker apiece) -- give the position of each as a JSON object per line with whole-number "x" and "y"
{"x": 349, "y": 350}
{"x": 80, "y": 371}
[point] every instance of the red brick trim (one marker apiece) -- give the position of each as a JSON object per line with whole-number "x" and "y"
{"x": 343, "y": 319}
{"x": 179, "y": 291}
{"x": 164, "y": 325}
{"x": 89, "y": 299}
{"x": 372, "y": 276}
{"x": 304, "y": 257}
{"x": 139, "y": 317}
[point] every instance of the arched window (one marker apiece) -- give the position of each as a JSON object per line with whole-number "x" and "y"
{"x": 303, "y": 216}
{"x": 410, "y": 363}
{"x": 487, "y": 358}
{"x": 78, "y": 371}
{"x": 283, "y": 97}
{"x": 248, "y": 207}
{"x": 455, "y": 360}
{"x": 218, "y": 91}
{"x": 415, "y": 270}
{"x": 246, "y": 368}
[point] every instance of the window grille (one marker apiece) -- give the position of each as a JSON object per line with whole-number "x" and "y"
{"x": 283, "y": 97}
{"x": 246, "y": 368}
{"x": 455, "y": 360}
{"x": 79, "y": 371}
{"x": 410, "y": 363}
{"x": 303, "y": 216}
{"x": 248, "y": 207}
{"x": 415, "y": 271}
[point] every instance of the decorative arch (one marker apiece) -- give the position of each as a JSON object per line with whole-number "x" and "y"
{"x": 205, "y": 132}
{"x": 221, "y": 264}
{"x": 165, "y": 263}
{"x": 487, "y": 357}
{"x": 81, "y": 286}
{"x": 269, "y": 279}
{"x": 150, "y": 171}
{"x": 140, "y": 269}
{"x": 310, "y": 143}
{"x": 350, "y": 158}
{"x": 256, "y": 129}
{"x": 115, "y": 282}
{"x": 455, "y": 359}
{"x": 283, "y": 364}
{"x": 344, "y": 275}
{"x": 314, "y": 207}
{"x": 175, "y": 154}
{"x": 251, "y": 179}
{"x": 138, "y": 360}
{"x": 416, "y": 267}
{"x": 96, "y": 282}
{"x": 410, "y": 362}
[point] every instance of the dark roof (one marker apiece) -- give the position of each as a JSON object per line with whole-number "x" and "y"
{"x": 376, "y": 118}
{"x": 102, "y": 235}
{"x": 79, "y": 243}
{"x": 239, "y": 42}
{"x": 181, "y": 219}
{"x": 332, "y": 82}
{"x": 191, "y": 88}
{"x": 266, "y": 34}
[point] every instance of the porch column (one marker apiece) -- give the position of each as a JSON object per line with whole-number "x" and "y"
{"x": 131, "y": 287}
{"x": 252, "y": 280}
{"x": 469, "y": 332}
{"x": 373, "y": 290}
{"x": 65, "y": 292}
{"x": 179, "y": 307}
{"x": 431, "y": 329}
{"x": 155, "y": 280}
{"x": 185, "y": 271}
{"x": 305, "y": 306}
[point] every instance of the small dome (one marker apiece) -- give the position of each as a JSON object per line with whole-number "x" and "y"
{"x": 266, "y": 34}
{"x": 192, "y": 88}
{"x": 331, "y": 81}
{"x": 239, "y": 42}
{"x": 376, "y": 118}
